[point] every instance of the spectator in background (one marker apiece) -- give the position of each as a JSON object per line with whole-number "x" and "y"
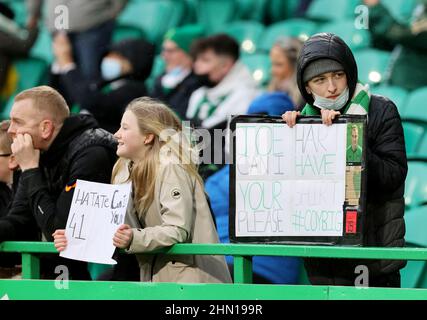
{"x": 279, "y": 270}
{"x": 8, "y": 261}
{"x": 284, "y": 55}
{"x": 7, "y": 165}
{"x": 15, "y": 42}
{"x": 89, "y": 26}
{"x": 228, "y": 87}
{"x": 124, "y": 68}
{"x": 410, "y": 40}
{"x": 175, "y": 86}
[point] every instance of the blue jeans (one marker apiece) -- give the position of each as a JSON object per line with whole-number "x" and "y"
{"x": 90, "y": 46}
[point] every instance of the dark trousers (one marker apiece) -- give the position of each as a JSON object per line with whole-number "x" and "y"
{"x": 90, "y": 46}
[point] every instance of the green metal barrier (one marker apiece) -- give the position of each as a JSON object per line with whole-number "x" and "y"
{"x": 241, "y": 289}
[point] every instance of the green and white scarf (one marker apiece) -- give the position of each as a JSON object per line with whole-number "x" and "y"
{"x": 358, "y": 105}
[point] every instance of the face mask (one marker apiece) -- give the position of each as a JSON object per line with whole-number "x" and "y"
{"x": 174, "y": 77}
{"x": 205, "y": 81}
{"x": 331, "y": 104}
{"x": 110, "y": 69}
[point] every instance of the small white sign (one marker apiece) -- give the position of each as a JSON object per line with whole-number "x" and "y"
{"x": 97, "y": 210}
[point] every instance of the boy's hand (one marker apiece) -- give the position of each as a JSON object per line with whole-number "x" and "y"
{"x": 290, "y": 117}
{"x": 328, "y": 116}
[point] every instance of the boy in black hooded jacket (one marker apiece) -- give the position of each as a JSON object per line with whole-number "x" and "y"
{"x": 327, "y": 62}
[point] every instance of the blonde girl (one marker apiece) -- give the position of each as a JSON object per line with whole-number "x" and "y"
{"x": 169, "y": 203}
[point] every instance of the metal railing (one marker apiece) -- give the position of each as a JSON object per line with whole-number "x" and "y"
{"x": 31, "y": 288}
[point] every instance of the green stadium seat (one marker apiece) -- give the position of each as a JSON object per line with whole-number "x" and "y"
{"x": 299, "y": 28}
{"x": 415, "y": 108}
{"x": 372, "y": 65}
{"x": 414, "y": 275}
{"x": 126, "y": 32}
{"x": 213, "y": 14}
{"x": 355, "y": 38}
{"x": 31, "y": 72}
{"x": 19, "y": 7}
{"x": 253, "y": 10}
{"x": 422, "y": 150}
{"x": 42, "y": 48}
{"x": 396, "y": 94}
{"x": 279, "y": 10}
{"x": 326, "y": 10}
{"x": 190, "y": 16}
{"x": 97, "y": 269}
{"x": 158, "y": 69}
{"x": 260, "y": 67}
{"x": 153, "y": 17}
{"x": 401, "y": 9}
{"x": 416, "y": 184}
{"x": 413, "y": 135}
{"x": 247, "y": 33}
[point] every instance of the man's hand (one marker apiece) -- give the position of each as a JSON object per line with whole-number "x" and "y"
{"x": 328, "y": 116}
{"x": 123, "y": 237}
{"x": 24, "y": 153}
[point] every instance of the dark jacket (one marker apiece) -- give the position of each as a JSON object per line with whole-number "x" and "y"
{"x": 178, "y": 98}
{"x": 107, "y": 101}
{"x": 42, "y": 202}
{"x": 386, "y": 167}
{"x": 5, "y": 198}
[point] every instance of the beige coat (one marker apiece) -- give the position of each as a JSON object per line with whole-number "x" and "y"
{"x": 179, "y": 214}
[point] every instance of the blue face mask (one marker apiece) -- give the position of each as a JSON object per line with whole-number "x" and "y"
{"x": 331, "y": 104}
{"x": 110, "y": 69}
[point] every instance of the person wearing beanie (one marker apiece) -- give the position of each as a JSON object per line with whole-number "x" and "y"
{"x": 283, "y": 56}
{"x": 175, "y": 86}
{"x": 124, "y": 68}
{"x": 327, "y": 77}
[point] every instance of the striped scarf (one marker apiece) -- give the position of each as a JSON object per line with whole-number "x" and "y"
{"x": 359, "y": 104}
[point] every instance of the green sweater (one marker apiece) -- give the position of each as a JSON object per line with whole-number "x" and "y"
{"x": 407, "y": 72}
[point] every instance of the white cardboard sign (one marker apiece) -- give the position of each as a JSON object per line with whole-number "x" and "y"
{"x": 290, "y": 181}
{"x": 97, "y": 210}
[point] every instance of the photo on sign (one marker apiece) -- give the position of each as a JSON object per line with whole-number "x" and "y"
{"x": 354, "y": 143}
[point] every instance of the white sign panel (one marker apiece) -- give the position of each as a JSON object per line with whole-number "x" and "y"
{"x": 290, "y": 181}
{"x": 97, "y": 210}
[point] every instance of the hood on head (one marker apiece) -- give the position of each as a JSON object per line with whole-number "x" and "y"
{"x": 330, "y": 46}
{"x": 140, "y": 53}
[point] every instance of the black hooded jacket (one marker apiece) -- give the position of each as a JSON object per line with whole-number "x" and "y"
{"x": 108, "y": 100}
{"x": 386, "y": 169}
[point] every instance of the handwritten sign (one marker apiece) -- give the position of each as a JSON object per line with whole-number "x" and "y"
{"x": 97, "y": 210}
{"x": 289, "y": 182}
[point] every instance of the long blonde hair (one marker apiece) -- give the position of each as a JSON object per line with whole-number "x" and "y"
{"x": 156, "y": 118}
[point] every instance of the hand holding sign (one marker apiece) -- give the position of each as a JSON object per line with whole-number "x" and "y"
{"x": 123, "y": 237}
{"x": 59, "y": 240}
{"x": 97, "y": 210}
